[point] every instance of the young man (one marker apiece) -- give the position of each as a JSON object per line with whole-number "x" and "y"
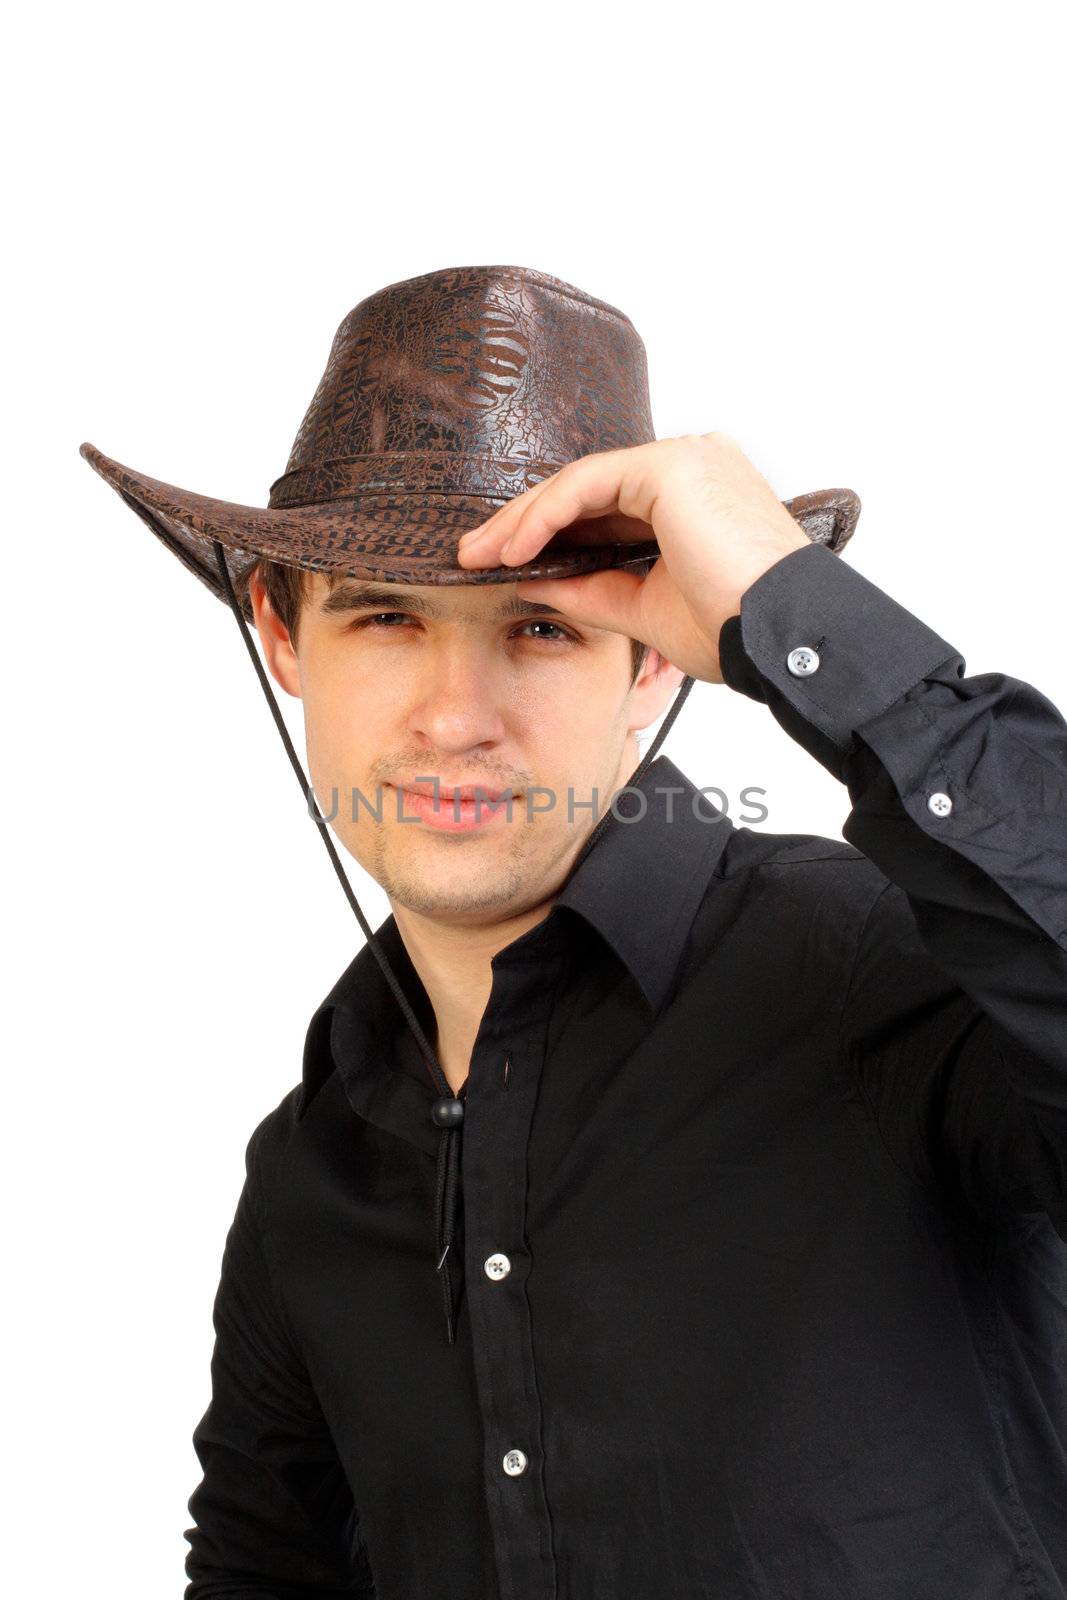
{"x": 754, "y": 1185}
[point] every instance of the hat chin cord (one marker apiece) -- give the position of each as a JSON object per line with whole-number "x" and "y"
{"x": 448, "y": 1110}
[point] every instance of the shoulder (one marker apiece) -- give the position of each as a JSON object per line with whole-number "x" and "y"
{"x": 807, "y": 863}
{"x": 797, "y": 899}
{"x": 269, "y": 1143}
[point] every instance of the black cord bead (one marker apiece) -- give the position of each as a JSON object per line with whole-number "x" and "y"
{"x": 447, "y": 1112}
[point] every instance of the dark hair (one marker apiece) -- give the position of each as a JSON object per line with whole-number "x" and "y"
{"x": 287, "y": 591}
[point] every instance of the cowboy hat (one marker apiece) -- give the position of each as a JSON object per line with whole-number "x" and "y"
{"x": 444, "y": 396}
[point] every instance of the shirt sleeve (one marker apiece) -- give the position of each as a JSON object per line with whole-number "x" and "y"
{"x": 955, "y": 1015}
{"x": 273, "y": 1512}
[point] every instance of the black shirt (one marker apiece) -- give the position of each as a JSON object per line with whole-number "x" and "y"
{"x": 764, "y": 1195}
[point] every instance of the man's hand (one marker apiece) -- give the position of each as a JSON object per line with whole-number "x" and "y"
{"x": 718, "y": 523}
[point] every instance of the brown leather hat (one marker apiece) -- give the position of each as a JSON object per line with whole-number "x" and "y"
{"x": 444, "y": 396}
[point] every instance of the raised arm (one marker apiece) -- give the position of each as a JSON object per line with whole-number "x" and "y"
{"x": 956, "y": 1016}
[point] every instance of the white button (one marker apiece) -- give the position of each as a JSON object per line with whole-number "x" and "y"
{"x": 940, "y": 804}
{"x": 497, "y": 1267}
{"x": 514, "y": 1463}
{"x": 802, "y": 661}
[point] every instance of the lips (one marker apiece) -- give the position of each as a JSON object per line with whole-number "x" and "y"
{"x": 464, "y": 808}
{"x": 466, "y": 791}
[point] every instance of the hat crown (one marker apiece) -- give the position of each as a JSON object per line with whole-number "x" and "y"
{"x": 468, "y": 380}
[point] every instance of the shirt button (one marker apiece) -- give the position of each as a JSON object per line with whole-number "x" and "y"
{"x": 940, "y": 804}
{"x": 497, "y": 1267}
{"x": 514, "y": 1463}
{"x": 802, "y": 661}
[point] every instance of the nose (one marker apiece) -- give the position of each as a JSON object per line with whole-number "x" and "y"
{"x": 459, "y": 698}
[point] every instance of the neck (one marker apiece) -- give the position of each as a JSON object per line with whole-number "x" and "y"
{"x": 453, "y": 964}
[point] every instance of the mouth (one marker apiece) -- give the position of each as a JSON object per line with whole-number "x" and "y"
{"x": 465, "y": 791}
{"x": 463, "y": 808}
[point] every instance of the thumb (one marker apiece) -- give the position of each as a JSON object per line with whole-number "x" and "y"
{"x": 606, "y": 599}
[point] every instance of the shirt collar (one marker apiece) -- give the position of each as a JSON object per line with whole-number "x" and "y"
{"x": 639, "y": 887}
{"x": 643, "y": 880}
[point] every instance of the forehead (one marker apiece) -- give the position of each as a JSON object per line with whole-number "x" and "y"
{"x": 461, "y": 602}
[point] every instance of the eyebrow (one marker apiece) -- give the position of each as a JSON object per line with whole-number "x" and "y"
{"x": 389, "y": 597}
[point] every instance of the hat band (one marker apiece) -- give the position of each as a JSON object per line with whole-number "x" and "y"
{"x": 421, "y": 471}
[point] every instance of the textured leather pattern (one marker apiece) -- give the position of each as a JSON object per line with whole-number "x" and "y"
{"x": 444, "y": 396}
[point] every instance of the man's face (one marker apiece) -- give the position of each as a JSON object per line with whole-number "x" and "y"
{"x": 464, "y": 685}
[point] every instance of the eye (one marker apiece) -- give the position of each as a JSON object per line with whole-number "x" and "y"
{"x": 543, "y": 622}
{"x": 366, "y": 622}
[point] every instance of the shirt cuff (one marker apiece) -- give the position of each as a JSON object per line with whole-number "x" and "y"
{"x": 818, "y": 634}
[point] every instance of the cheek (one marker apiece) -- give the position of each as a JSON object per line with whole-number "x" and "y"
{"x": 575, "y": 715}
{"x": 346, "y": 728}
{"x": 573, "y": 736}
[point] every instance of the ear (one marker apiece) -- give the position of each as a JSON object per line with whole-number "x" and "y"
{"x": 274, "y": 637}
{"x": 653, "y": 689}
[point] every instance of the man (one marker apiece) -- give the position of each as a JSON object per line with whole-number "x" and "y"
{"x": 759, "y": 1226}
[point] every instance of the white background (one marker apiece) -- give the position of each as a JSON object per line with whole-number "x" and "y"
{"x": 838, "y": 230}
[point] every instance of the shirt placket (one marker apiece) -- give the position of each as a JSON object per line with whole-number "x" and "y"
{"x": 502, "y": 1086}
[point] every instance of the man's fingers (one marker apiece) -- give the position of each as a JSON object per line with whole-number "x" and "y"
{"x": 587, "y": 487}
{"x": 500, "y": 521}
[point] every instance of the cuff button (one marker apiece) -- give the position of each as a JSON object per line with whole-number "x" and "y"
{"x": 802, "y": 661}
{"x": 939, "y": 804}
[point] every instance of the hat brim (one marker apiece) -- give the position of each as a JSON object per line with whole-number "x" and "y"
{"x": 395, "y": 538}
